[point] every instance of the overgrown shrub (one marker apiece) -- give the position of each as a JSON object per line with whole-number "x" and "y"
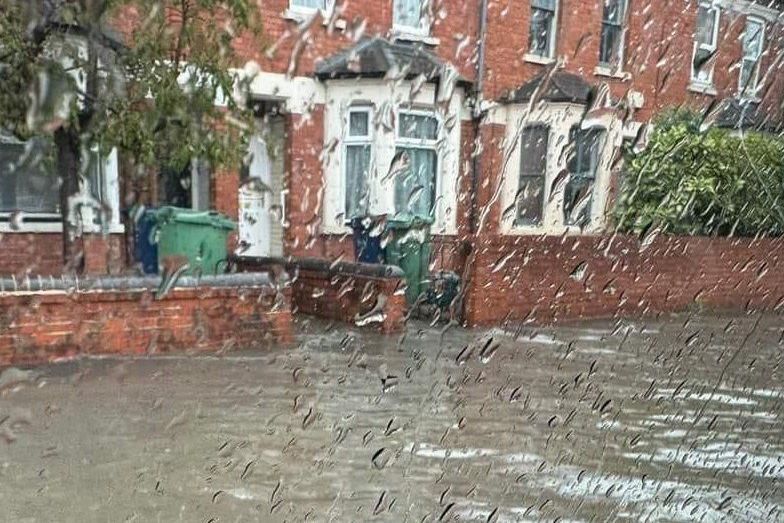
{"x": 703, "y": 183}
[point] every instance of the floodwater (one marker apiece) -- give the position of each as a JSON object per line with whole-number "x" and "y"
{"x": 678, "y": 419}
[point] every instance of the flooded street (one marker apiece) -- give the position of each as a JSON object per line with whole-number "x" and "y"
{"x": 678, "y": 419}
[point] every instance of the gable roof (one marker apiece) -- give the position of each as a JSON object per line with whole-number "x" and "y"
{"x": 377, "y": 57}
{"x": 560, "y": 86}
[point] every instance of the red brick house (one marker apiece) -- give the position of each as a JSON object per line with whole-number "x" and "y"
{"x": 481, "y": 98}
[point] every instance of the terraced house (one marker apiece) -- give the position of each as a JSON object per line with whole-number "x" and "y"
{"x": 491, "y": 120}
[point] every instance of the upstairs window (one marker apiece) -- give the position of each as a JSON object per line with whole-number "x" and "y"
{"x": 415, "y": 164}
{"x": 410, "y": 16}
{"x": 706, "y": 38}
{"x": 753, "y": 38}
{"x": 541, "y": 38}
{"x": 308, "y": 5}
{"x": 583, "y": 165}
{"x": 611, "y": 45}
{"x": 533, "y": 172}
{"x": 358, "y": 149}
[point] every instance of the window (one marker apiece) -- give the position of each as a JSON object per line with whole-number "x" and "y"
{"x": 533, "y": 171}
{"x": 541, "y": 39}
{"x": 307, "y": 5}
{"x": 583, "y": 164}
{"x": 411, "y": 16}
{"x": 706, "y": 39}
{"x": 358, "y": 150}
{"x": 27, "y": 181}
{"x": 188, "y": 187}
{"x": 753, "y": 38}
{"x": 415, "y": 164}
{"x": 611, "y": 46}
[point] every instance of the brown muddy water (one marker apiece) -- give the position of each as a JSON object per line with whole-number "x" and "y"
{"x": 678, "y": 419}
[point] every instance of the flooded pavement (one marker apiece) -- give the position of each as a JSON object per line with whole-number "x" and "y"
{"x": 670, "y": 420}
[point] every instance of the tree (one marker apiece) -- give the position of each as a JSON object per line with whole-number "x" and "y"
{"x": 140, "y": 75}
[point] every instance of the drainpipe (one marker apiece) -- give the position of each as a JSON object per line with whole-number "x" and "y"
{"x": 476, "y": 117}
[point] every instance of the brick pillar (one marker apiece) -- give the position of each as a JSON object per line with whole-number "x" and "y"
{"x": 102, "y": 254}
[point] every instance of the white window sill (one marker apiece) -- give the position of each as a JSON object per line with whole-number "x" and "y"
{"x": 410, "y": 35}
{"x": 52, "y": 227}
{"x": 753, "y": 98}
{"x": 697, "y": 86}
{"x": 609, "y": 72}
{"x": 536, "y": 59}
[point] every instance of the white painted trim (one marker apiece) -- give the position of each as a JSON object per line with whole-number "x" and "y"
{"x": 47, "y": 227}
{"x": 540, "y": 60}
{"x": 560, "y": 118}
{"x": 751, "y": 91}
{"x": 745, "y": 7}
{"x": 711, "y": 48}
{"x": 299, "y": 93}
{"x": 695, "y": 86}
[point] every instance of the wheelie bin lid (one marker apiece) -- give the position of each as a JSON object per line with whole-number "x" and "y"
{"x": 209, "y": 218}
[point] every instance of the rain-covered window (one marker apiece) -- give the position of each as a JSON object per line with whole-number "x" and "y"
{"x": 308, "y": 4}
{"x": 583, "y": 164}
{"x": 706, "y": 39}
{"x": 753, "y": 38}
{"x": 27, "y": 181}
{"x": 541, "y": 40}
{"x": 411, "y": 16}
{"x": 415, "y": 181}
{"x": 358, "y": 144}
{"x": 611, "y": 49}
{"x": 533, "y": 170}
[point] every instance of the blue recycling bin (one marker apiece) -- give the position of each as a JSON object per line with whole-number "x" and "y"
{"x": 367, "y": 240}
{"x": 145, "y": 244}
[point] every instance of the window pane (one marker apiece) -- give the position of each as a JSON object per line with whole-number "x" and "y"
{"x": 418, "y": 127}
{"x": 706, "y": 23}
{"x": 533, "y": 168}
{"x": 540, "y": 35}
{"x": 408, "y": 13}
{"x": 747, "y": 73}
{"x": 27, "y": 183}
{"x": 610, "y": 49}
{"x": 358, "y": 124}
{"x": 357, "y": 166}
{"x": 317, "y": 4}
{"x": 614, "y": 11}
{"x": 544, "y": 4}
{"x": 583, "y": 164}
{"x": 530, "y": 200}
{"x": 752, "y": 40}
{"x": 415, "y": 185}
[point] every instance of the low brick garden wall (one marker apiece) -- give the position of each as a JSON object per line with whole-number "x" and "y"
{"x": 355, "y": 293}
{"x": 544, "y": 279}
{"x": 126, "y": 317}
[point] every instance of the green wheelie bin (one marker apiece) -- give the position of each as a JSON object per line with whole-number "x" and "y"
{"x": 410, "y": 248}
{"x": 199, "y": 236}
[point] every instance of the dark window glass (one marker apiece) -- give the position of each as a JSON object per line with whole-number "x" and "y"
{"x": 533, "y": 169}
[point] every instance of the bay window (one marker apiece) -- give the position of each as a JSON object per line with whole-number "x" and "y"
{"x": 611, "y": 44}
{"x": 541, "y": 37}
{"x": 410, "y": 16}
{"x": 583, "y": 165}
{"x": 416, "y": 164}
{"x": 753, "y": 38}
{"x": 357, "y": 163}
{"x": 533, "y": 171}
{"x": 706, "y": 39}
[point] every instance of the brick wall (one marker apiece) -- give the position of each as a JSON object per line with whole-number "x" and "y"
{"x": 39, "y": 327}
{"x": 350, "y": 298}
{"x": 42, "y": 254}
{"x": 551, "y": 278}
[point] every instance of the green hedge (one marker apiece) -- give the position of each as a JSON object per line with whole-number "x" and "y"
{"x": 703, "y": 183}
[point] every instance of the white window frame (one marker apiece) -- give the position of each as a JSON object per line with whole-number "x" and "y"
{"x": 348, "y": 140}
{"x": 533, "y": 57}
{"x": 610, "y": 69}
{"x": 418, "y": 143}
{"x": 301, "y": 12}
{"x": 710, "y": 48}
{"x": 750, "y": 91}
{"x": 424, "y": 21}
